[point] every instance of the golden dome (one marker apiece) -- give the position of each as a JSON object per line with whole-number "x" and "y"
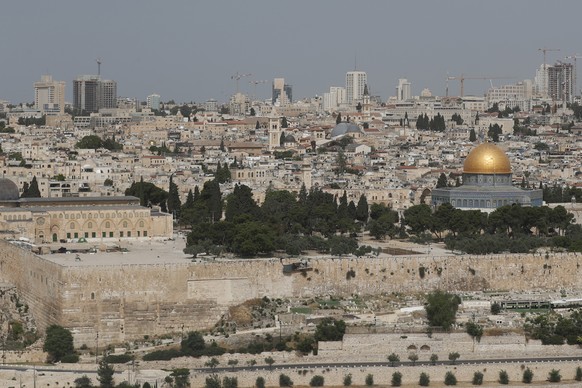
{"x": 487, "y": 158}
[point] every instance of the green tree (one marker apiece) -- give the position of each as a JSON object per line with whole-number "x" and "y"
{"x": 393, "y": 358}
{"x": 108, "y": 182}
{"x": 330, "y": 329}
{"x": 348, "y": 380}
{"x": 105, "y": 375}
{"x": 578, "y": 376}
{"x": 495, "y": 308}
{"x": 503, "y": 377}
{"x": 230, "y": 382}
{"x": 554, "y": 376}
{"x": 424, "y": 380}
{"x": 527, "y": 376}
{"x": 338, "y": 118}
{"x": 181, "y": 377}
{"x": 89, "y": 142}
{"x": 83, "y": 382}
{"x": 58, "y": 343}
{"x": 453, "y": 357}
{"x": 362, "y": 209}
{"x": 284, "y": 123}
{"x": 285, "y": 381}
{"x": 441, "y": 308}
{"x": 222, "y": 147}
{"x": 418, "y": 218}
{"x": 212, "y": 381}
{"x": 450, "y": 378}
{"x": 260, "y": 382}
{"x": 252, "y": 112}
{"x": 317, "y": 381}
{"x": 240, "y": 202}
{"x": 477, "y": 378}
{"x": 233, "y": 363}
{"x": 212, "y": 363}
{"x": 193, "y": 344}
{"x": 369, "y": 380}
{"x": 474, "y": 330}
{"x": 413, "y": 357}
{"x": 269, "y": 361}
{"x": 174, "y": 204}
{"x": 442, "y": 181}
{"x": 396, "y": 380}
{"x": 433, "y": 359}
{"x": 31, "y": 190}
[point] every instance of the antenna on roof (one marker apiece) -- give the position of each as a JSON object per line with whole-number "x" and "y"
{"x": 355, "y": 60}
{"x": 98, "y": 60}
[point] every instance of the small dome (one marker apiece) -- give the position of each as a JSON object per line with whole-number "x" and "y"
{"x": 487, "y": 158}
{"x": 8, "y": 190}
{"x": 345, "y": 128}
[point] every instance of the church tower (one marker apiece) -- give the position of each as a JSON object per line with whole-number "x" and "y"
{"x": 366, "y": 105}
{"x": 274, "y": 133}
{"x": 306, "y": 173}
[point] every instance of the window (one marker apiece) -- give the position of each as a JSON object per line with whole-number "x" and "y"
{"x": 86, "y": 234}
{"x": 76, "y": 235}
{"x": 72, "y": 225}
{"x": 121, "y": 234}
{"x": 89, "y": 225}
{"x": 125, "y": 224}
{"x": 110, "y": 234}
{"x": 145, "y": 233}
{"x": 68, "y": 235}
{"x": 93, "y": 234}
{"x": 103, "y": 234}
{"x": 107, "y": 225}
{"x": 138, "y": 233}
{"x": 141, "y": 224}
{"x": 128, "y": 233}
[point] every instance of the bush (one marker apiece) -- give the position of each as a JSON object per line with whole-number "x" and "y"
{"x": 260, "y": 382}
{"x": 503, "y": 377}
{"x": 70, "y": 359}
{"x": 348, "y": 380}
{"x": 229, "y": 382}
{"x": 163, "y": 355}
{"x": 118, "y": 358}
{"x": 578, "y": 376}
{"x": 396, "y": 379}
{"x": 477, "y": 378}
{"x": 285, "y": 381}
{"x": 369, "y": 380}
{"x": 554, "y": 376}
{"x": 527, "y": 376}
{"x": 424, "y": 380}
{"x": 495, "y": 308}
{"x": 450, "y": 378}
{"x": 316, "y": 381}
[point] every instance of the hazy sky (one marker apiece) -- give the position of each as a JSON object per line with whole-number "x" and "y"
{"x": 188, "y": 50}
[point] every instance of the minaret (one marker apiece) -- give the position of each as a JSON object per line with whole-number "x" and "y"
{"x": 274, "y": 133}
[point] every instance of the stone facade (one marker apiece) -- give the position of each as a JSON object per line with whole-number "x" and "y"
{"x": 127, "y": 301}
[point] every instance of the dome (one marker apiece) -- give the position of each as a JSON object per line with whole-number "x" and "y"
{"x": 8, "y": 190}
{"x": 344, "y": 128}
{"x": 487, "y": 158}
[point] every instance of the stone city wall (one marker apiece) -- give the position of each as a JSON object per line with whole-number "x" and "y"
{"x": 127, "y": 301}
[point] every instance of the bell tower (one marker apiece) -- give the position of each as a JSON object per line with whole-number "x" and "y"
{"x": 274, "y": 133}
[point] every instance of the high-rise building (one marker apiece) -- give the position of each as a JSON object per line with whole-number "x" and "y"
{"x": 49, "y": 95}
{"x": 403, "y": 90}
{"x": 91, "y": 93}
{"x": 153, "y": 101}
{"x": 541, "y": 81}
{"x": 560, "y": 82}
{"x": 334, "y": 99}
{"x": 355, "y": 82}
{"x": 282, "y": 92}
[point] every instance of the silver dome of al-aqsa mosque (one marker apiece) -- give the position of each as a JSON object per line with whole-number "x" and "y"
{"x": 8, "y": 190}
{"x": 344, "y": 129}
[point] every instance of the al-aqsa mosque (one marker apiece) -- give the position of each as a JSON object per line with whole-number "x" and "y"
{"x": 487, "y": 183}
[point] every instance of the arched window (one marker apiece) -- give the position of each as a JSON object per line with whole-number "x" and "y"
{"x": 125, "y": 224}
{"x": 89, "y": 225}
{"x": 72, "y": 225}
{"x": 107, "y": 225}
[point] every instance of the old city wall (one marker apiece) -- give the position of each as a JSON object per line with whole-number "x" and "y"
{"x": 122, "y": 302}
{"x": 38, "y": 282}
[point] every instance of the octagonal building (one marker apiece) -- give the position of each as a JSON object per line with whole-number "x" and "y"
{"x": 487, "y": 183}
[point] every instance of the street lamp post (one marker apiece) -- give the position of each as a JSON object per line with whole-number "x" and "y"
{"x": 97, "y": 348}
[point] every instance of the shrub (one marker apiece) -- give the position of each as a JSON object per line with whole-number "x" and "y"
{"x": 450, "y": 378}
{"x": 424, "y": 380}
{"x": 162, "y": 355}
{"x": 396, "y": 379}
{"x": 285, "y": 381}
{"x": 369, "y": 380}
{"x": 348, "y": 380}
{"x": 578, "y": 376}
{"x": 503, "y": 377}
{"x": 554, "y": 376}
{"x": 118, "y": 358}
{"x": 477, "y": 378}
{"x": 316, "y": 381}
{"x": 70, "y": 359}
{"x": 229, "y": 382}
{"x": 260, "y": 382}
{"x": 527, "y": 376}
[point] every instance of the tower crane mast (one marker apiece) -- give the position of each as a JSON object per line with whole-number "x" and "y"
{"x": 461, "y": 78}
{"x": 237, "y": 78}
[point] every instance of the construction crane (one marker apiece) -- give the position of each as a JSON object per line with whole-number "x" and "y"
{"x": 545, "y": 70}
{"x": 461, "y": 78}
{"x": 574, "y": 81}
{"x": 98, "y": 60}
{"x": 237, "y": 78}
{"x": 255, "y": 83}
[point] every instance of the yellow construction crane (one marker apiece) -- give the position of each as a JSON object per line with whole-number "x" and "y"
{"x": 237, "y": 78}
{"x": 461, "y": 78}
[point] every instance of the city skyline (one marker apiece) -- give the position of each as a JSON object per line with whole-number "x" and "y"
{"x": 189, "y": 52}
